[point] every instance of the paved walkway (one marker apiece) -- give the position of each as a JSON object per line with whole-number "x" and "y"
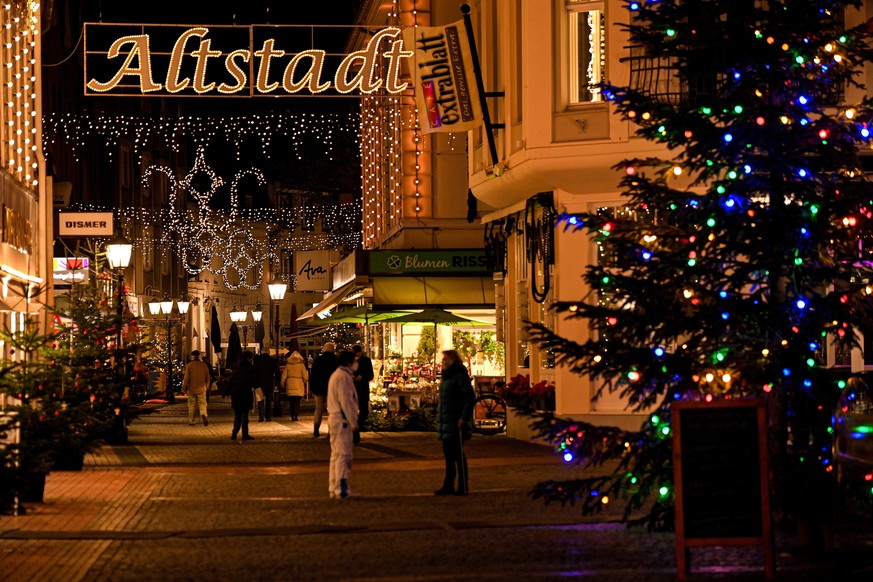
{"x": 186, "y": 503}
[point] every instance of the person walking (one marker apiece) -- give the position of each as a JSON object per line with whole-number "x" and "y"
{"x": 322, "y": 368}
{"x": 242, "y": 385}
{"x": 268, "y": 374}
{"x": 454, "y": 416}
{"x": 196, "y": 383}
{"x": 363, "y": 377}
{"x": 342, "y": 420}
{"x": 294, "y": 379}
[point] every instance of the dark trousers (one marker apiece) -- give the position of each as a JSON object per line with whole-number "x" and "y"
{"x": 240, "y": 420}
{"x": 294, "y": 406}
{"x": 456, "y": 463}
{"x": 363, "y": 411}
{"x": 265, "y": 406}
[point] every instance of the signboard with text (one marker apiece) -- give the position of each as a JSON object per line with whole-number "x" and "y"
{"x": 445, "y": 262}
{"x": 286, "y": 61}
{"x": 85, "y": 224}
{"x": 68, "y": 270}
{"x": 236, "y": 61}
{"x": 312, "y": 270}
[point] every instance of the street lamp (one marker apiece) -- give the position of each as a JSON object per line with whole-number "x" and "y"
{"x": 240, "y": 316}
{"x": 118, "y": 251}
{"x": 165, "y": 308}
{"x": 277, "y": 289}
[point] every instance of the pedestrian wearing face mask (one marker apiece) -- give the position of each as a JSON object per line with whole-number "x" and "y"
{"x": 363, "y": 375}
{"x": 342, "y": 420}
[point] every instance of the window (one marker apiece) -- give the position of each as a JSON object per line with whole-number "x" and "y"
{"x": 587, "y": 46}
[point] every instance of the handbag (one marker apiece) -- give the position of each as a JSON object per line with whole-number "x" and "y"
{"x": 259, "y": 394}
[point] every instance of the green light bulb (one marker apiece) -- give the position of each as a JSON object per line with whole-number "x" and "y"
{"x": 710, "y": 223}
{"x": 738, "y": 109}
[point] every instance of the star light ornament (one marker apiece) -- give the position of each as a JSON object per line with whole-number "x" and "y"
{"x": 206, "y": 239}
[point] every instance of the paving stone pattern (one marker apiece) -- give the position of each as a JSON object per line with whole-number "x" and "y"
{"x": 184, "y": 502}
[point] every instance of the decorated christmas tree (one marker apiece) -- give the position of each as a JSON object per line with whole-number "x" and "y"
{"x": 738, "y": 264}
{"x": 66, "y": 390}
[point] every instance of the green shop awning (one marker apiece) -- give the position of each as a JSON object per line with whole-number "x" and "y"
{"x": 418, "y": 292}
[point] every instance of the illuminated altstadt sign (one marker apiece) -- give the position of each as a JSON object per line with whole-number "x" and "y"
{"x": 249, "y": 61}
{"x": 199, "y": 64}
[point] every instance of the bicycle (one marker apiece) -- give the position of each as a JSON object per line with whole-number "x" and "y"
{"x": 489, "y": 414}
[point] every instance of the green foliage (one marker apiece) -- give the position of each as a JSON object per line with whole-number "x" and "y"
{"x": 731, "y": 283}
{"x": 421, "y": 419}
{"x": 427, "y": 344}
{"x": 464, "y": 342}
{"x": 494, "y": 350}
{"x": 67, "y": 389}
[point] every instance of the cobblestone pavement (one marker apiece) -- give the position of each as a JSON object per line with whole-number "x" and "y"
{"x": 184, "y": 502}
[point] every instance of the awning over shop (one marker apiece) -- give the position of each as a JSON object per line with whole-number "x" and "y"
{"x": 329, "y": 302}
{"x": 419, "y": 292}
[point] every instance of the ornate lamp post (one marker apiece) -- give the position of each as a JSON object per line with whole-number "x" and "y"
{"x": 118, "y": 251}
{"x": 277, "y": 289}
{"x": 240, "y": 316}
{"x": 165, "y": 308}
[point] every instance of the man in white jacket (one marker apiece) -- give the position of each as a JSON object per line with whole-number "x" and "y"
{"x": 342, "y": 419}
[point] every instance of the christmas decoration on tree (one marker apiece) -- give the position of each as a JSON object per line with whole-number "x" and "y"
{"x": 68, "y": 389}
{"x": 739, "y": 262}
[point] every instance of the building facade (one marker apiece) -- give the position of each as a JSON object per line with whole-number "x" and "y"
{"x": 26, "y": 219}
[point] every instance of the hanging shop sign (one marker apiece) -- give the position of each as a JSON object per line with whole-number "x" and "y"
{"x": 445, "y": 262}
{"x": 85, "y": 224}
{"x": 17, "y": 230}
{"x": 241, "y": 61}
{"x": 68, "y": 270}
{"x": 312, "y": 270}
{"x": 445, "y": 84}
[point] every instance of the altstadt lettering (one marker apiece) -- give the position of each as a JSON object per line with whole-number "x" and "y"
{"x": 250, "y": 70}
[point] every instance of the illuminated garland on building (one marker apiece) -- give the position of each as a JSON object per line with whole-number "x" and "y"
{"x": 19, "y": 27}
{"x": 395, "y": 184}
{"x": 327, "y": 129}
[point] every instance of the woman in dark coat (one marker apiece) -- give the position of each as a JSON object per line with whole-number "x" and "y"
{"x": 242, "y": 397}
{"x": 454, "y": 416}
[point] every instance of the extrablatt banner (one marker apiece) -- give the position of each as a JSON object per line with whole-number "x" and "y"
{"x": 445, "y": 82}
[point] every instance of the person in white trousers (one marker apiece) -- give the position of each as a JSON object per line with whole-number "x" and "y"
{"x": 342, "y": 422}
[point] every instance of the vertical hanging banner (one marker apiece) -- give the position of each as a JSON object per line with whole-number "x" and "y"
{"x": 445, "y": 82}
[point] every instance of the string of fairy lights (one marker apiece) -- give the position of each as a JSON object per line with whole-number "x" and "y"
{"x": 390, "y": 131}
{"x": 230, "y": 244}
{"x": 718, "y": 373}
{"x": 19, "y": 27}
{"x": 173, "y": 132}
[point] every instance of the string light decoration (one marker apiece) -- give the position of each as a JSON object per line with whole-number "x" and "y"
{"x": 224, "y": 243}
{"x": 736, "y": 268}
{"x": 395, "y": 154}
{"x": 19, "y": 30}
{"x": 326, "y": 129}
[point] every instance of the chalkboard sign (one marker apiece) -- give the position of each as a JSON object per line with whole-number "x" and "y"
{"x": 720, "y": 476}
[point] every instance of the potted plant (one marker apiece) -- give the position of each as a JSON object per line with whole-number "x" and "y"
{"x": 521, "y": 395}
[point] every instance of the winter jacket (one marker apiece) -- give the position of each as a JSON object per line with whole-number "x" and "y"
{"x": 322, "y": 368}
{"x": 197, "y": 377}
{"x": 342, "y": 400}
{"x": 365, "y": 371}
{"x": 295, "y": 376}
{"x": 242, "y": 383}
{"x": 456, "y": 402}
{"x": 267, "y": 370}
